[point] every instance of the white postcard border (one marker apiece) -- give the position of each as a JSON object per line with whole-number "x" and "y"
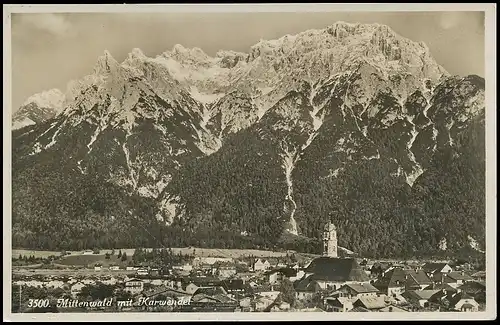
{"x": 490, "y": 101}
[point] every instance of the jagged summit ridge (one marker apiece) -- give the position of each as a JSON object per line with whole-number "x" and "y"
{"x": 266, "y": 73}
{"x": 344, "y": 44}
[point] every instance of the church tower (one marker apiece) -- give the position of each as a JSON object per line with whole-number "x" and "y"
{"x": 330, "y": 240}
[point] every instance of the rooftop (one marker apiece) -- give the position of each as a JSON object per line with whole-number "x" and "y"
{"x": 398, "y": 277}
{"x": 362, "y": 287}
{"x": 459, "y": 296}
{"x": 433, "y": 267}
{"x": 459, "y": 276}
{"x": 419, "y": 294}
{"x": 359, "y": 309}
{"x": 372, "y": 302}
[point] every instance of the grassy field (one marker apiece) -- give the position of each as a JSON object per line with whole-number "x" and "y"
{"x": 199, "y": 252}
{"x": 90, "y": 260}
{"x": 36, "y": 254}
{"x": 78, "y": 259}
{"x": 68, "y": 272}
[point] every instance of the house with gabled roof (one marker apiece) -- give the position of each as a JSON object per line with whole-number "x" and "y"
{"x": 445, "y": 287}
{"x": 205, "y": 281}
{"x": 338, "y": 304}
{"x": 191, "y": 288}
{"x": 393, "y": 309}
{"x": 76, "y": 288}
{"x": 55, "y": 284}
{"x": 234, "y": 286}
{"x": 475, "y": 289}
{"x": 433, "y": 268}
{"x": 372, "y": 303}
{"x": 463, "y": 302}
{"x": 397, "y": 280}
{"x": 226, "y": 271}
{"x": 419, "y": 298}
{"x": 479, "y": 276}
{"x": 165, "y": 292}
{"x": 396, "y": 299}
{"x": 211, "y": 291}
{"x": 435, "y": 271}
{"x": 262, "y": 303}
{"x": 359, "y": 309}
{"x": 276, "y": 275}
{"x": 134, "y": 286}
{"x": 218, "y": 302}
{"x": 417, "y": 280}
{"x": 456, "y": 279}
{"x": 261, "y": 265}
{"x": 278, "y": 307}
{"x": 358, "y": 290}
{"x": 306, "y": 288}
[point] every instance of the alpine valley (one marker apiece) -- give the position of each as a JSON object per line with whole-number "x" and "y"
{"x": 353, "y": 123}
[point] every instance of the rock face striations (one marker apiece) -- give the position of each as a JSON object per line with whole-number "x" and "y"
{"x": 352, "y": 122}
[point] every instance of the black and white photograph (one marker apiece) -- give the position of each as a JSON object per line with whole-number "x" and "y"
{"x": 274, "y": 162}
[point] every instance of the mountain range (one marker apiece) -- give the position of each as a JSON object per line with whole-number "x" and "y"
{"x": 352, "y": 123}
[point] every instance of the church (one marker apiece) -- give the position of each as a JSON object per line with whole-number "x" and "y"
{"x": 330, "y": 271}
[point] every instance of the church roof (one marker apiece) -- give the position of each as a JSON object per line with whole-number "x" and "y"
{"x": 336, "y": 269}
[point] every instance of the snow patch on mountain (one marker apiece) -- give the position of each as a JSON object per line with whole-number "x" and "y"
{"x": 412, "y": 177}
{"x": 377, "y": 156}
{"x": 474, "y": 244}
{"x": 290, "y": 158}
{"x": 37, "y": 148}
{"x": 170, "y": 209}
{"x": 53, "y": 139}
{"x": 204, "y": 98}
{"x": 333, "y": 173}
{"x": 132, "y": 173}
{"x": 417, "y": 168}
{"x": 443, "y": 244}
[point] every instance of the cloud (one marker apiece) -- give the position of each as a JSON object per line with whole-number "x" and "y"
{"x": 55, "y": 24}
{"x": 450, "y": 20}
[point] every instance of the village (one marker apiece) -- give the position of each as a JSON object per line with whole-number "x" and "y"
{"x": 327, "y": 283}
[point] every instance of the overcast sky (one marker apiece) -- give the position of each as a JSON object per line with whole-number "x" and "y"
{"x": 48, "y": 50}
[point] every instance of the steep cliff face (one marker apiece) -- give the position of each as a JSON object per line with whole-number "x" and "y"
{"x": 353, "y": 122}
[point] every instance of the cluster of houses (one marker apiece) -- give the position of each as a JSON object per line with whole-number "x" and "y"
{"x": 432, "y": 287}
{"x": 328, "y": 284}
{"x": 343, "y": 285}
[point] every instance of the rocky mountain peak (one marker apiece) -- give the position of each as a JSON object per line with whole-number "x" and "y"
{"x": 187, "y": 55}
{"x": 136, "y": 53}
{"x": 105, "y": 64}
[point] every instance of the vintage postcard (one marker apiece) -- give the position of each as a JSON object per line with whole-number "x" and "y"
{"x": 249, "y": 162}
